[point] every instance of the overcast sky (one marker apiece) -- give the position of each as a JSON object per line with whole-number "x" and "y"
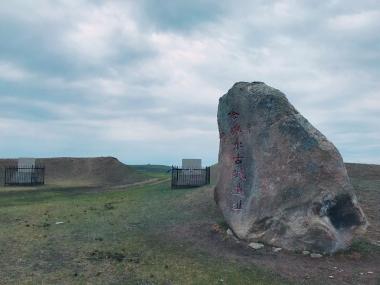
{"x": 140, "y": 80}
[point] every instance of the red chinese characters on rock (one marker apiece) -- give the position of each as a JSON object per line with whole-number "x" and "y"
{"x": 238, "y": 159}
{"x": 235, "y": 130}
{"x": 233, "y": 115}
{"x": 239, "y": 174}
{"x": 237, "y": 145}
{"x": 237, "y": 206}
{"x": 238, "y": 170}
{"x": 238, "y": 190}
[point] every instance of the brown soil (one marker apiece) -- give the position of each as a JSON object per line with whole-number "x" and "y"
{"x": 96, "y": 171}
{"x": 359, "y": 265}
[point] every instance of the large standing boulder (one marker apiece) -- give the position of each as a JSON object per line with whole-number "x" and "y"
{"x": 281, "y": 181}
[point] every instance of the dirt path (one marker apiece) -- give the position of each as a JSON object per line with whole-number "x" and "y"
{"x": 152, "y": 181}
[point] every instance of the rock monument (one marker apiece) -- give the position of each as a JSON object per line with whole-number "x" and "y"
{"x": 281, "y": 181}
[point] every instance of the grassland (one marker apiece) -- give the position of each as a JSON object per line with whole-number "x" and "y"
{"x": 152, "y": 168}
{"x": 112, "y": 237}
{"x": 150, "y": 234}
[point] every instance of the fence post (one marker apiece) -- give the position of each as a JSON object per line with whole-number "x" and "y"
{"x": 207, "y": 175}
{"x": 177, "y": 171}
{"x": 30, "y": 175}
{"x": 172, "y": 182}
{"x": 183, "y": 178}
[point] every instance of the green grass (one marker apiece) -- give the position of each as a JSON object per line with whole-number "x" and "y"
{"x": 118, "y": 237}
{"x": 149, "y": 174}
{"x": 152, "y": 168}
{"x": 364, "y": 247}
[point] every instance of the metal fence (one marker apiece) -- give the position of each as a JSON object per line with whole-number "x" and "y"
{"x": 185, "y": 178}
{"x": 26, "y": 175}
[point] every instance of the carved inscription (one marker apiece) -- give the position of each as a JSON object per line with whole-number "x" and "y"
{"x": 238, "y": 173}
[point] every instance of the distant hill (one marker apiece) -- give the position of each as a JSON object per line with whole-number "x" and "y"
{"x": 363, "y": 171}
{"x": 94, "y": 171}
{"x": 152, "y": 168}
{"x": 354, "y": 170}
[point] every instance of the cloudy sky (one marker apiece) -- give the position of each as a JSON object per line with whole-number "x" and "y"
{"x": 140, "y": 80}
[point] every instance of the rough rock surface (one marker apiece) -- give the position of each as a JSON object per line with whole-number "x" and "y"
{"x": 281, "y": 181}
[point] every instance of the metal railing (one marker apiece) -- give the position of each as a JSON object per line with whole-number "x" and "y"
{"x": 185, "y": 178}
{"x": 26, "y": 175}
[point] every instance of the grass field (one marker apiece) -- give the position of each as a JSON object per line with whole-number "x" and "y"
{"x": 152, "y": 168}
{"x": 111, "y": 237}
{"x": 150, "y": 234}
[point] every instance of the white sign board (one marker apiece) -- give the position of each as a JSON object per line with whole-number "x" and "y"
{"x": 26, "y": 162}
{"x": 24, "y": 171}
{"x": 191, "y": 163}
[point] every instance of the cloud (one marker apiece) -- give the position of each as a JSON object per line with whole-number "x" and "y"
{"x": 356, "y": 22}
{"x": 11, "y": 72}
{"x": 104, "y": 33}
{"x": 141, "y": 80}
{"x": 180, "y": 16}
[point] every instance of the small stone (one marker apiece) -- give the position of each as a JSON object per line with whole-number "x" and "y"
{"x": 229, "y": 232}
{"x": 276, "y": 249}
{"x": 306, "y": 252}
{"x": 256, "y": 245}
{"x": 315, "y": 255}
